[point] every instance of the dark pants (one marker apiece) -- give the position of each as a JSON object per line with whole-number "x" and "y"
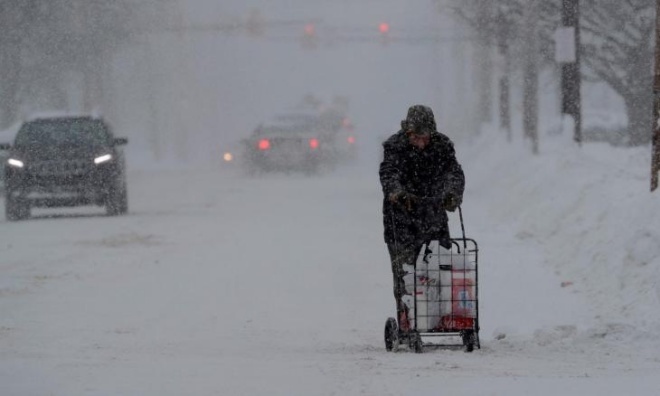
{"x": 401, "y": 255}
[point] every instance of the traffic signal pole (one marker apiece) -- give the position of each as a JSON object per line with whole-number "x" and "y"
{"x": 655, "y": 157}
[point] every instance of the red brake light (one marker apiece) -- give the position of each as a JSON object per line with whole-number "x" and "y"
{"x": 313, "y": 144}
{"x": 351, "y": 139}
{"x": 264, "y": 144}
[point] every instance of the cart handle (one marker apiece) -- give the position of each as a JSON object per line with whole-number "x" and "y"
{"x": 460, "y": 214}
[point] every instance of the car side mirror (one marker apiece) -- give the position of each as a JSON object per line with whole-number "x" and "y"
{"x": 121, "y": 141}
{"x": 5, "y": 146}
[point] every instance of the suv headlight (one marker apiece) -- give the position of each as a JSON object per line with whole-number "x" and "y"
{"x": 103, "y": 158}
{"x": 15, "y": 163}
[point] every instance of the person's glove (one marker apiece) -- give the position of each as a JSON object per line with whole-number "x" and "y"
{"x": 408, "y": 200}
{"x": 450, "y": 202}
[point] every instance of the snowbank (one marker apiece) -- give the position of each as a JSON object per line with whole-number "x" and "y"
{"x": 590, "y": 210}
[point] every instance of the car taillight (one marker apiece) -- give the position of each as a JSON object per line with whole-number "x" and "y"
{"x": 313, "y": 144}
{"x": 351, "y": 140}
{"x": 264, "y": 144}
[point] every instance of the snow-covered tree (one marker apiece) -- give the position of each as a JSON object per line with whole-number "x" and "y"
{"x": 618, "y": 43}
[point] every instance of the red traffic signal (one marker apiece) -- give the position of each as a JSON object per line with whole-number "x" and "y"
{"x": 384, "y": 28}
{"x": 310, "y": 30}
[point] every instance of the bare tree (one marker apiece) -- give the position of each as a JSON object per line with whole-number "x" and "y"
{"x": 11, "y": 43}
{"x": 485, "y": 67}
{"x": 617, "y": 47}
{"x": 618, "y": 42}
{"x": 531, "y": 76}
{"x": 44, "y": 40}
{"x": 518, "y": 28}
{"x": 479, "y": 15}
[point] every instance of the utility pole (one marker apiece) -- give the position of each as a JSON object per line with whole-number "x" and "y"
{"x": 570, "y": 69}
{"x": 655, "y": 157}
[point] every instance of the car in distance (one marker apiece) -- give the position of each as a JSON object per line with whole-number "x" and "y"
{"x": 64, "y": 161}
{"x": 289, "y": 142}
{"x": 343, "y": 135}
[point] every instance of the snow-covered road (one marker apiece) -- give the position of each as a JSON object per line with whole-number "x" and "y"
{"x": 216, "y": 284}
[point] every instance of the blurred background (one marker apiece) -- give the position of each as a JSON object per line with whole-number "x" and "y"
{"x": 215, "y": 283}
{"x": 184, "y": 80}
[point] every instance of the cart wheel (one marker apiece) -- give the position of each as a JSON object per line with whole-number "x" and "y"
{"x": 391, "y": 335}
{"x": 416, "y": 343}
{"x": 469, "y": 339}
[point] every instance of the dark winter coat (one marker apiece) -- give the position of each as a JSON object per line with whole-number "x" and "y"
{"x": 431, "y": 173}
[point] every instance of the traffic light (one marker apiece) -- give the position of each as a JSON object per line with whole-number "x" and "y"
{"x": 309, "y": 38}
{"x": 384, "y": 29}
{"x": 310, "y": 30}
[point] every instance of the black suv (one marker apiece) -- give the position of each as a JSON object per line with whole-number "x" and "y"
{"x": 64, "y": 161}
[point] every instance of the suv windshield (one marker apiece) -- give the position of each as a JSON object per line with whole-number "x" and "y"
{"x": 63, "y": 132}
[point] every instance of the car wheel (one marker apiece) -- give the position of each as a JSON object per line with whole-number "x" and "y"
{"x": 117, "y": 200}
{"x": 16, "y": 208}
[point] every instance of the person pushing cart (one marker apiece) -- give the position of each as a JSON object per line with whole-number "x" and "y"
{"x": 421, "y": 180}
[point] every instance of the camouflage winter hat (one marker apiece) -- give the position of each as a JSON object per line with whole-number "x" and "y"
{"x": 420, "y": 120}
